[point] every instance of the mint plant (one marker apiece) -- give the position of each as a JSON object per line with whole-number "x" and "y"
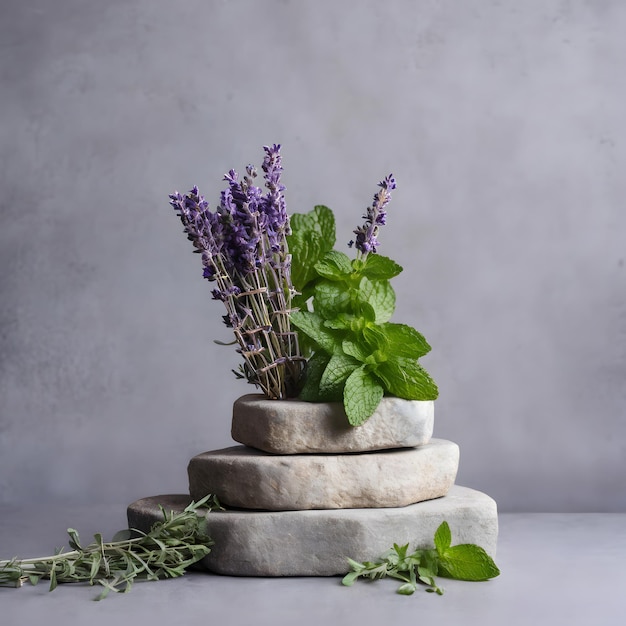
{"x": 461, "y": 562}
{"x": 356, "y": 355}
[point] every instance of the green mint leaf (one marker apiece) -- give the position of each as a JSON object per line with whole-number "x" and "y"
{"x": 346, "y": 321}
{"x": 376, "y": 339}
{"x": 405, "y": 378}
{"x": 443, "y": 538}
{"x": 312, "y": 325}
{"x": 334, "y": 266}
{"x": 330, "y": 299}
{"x": 341, "y": 322}
{"x": 306, "y": 250}
{"x": 467, "y": 562}
{"x": 405, "y": 341}
{"x": 335, "y": 375}
{"x": 361, "y": 395}
{"x": 369, "y": 346}
{"x": 380, "y": 296}
{"x": 319, "y": 220}
{"x": 361, "y": 352}
{"x": 313, "y": 375}
{"x": 325, "y": 224}
{"x": 378, "y": 267}
{"x": 312, "y": 236}
{"x": 364, "y": 315}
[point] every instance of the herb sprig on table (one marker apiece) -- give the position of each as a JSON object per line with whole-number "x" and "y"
{"x": 171, "y": 546}
{"x": 461, "y": 562}
{"x": 180, "y": 540}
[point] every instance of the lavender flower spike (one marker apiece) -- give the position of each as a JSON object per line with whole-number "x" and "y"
{"x": 238, "y": 211}
{"x": 199, "y": 226}
{"x": 375, "y": 217}
{"x": 273, "y": 208}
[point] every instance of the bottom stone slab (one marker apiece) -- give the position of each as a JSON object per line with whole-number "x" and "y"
{"x": 317, "y": 542}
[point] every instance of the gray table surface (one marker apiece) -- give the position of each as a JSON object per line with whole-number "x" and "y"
{"x": 556, "y": 569}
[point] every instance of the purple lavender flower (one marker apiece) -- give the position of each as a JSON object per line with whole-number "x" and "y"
{"x": 274, "y": 219}
{"x": 375, "y": 217}
{"x": 238, "y": 215}
{"x": 200, "y": 226}
{"x": 242, "y": 245}
{"x": 223, "y": 294}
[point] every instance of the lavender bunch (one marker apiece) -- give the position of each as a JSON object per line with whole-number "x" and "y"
{"x": 244, "y": 251}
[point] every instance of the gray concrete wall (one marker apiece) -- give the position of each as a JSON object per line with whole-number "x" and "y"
{"x": 504, "y": 125}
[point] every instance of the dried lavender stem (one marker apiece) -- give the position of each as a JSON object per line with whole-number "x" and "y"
{"x": 244, "y": 250}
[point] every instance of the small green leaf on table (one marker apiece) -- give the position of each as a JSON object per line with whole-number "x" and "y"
{"x": 467, "y": 562}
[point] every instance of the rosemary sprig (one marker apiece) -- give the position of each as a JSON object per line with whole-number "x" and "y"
{"x": 171, "y": 546}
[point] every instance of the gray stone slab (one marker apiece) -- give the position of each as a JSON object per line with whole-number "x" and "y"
{"x": 316, "y": 543}
{"x": 296, "y": 427}
{"x": 251, "y": 479}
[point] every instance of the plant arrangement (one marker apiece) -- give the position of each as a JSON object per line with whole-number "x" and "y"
{"x": 309, "y": 321}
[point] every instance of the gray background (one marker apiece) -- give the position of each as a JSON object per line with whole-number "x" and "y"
{"x": 504, "y": 125}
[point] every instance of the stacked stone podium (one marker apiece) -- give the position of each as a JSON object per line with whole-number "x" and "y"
{"x": 306, "y": 490}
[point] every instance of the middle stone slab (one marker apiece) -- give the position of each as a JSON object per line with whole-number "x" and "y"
{"x": 250, "y": 479}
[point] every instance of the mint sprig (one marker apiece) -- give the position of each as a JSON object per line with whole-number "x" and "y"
{"x": 346, "y": 305}
{"x": 461, "y": 562}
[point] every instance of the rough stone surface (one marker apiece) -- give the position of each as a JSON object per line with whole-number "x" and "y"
{"x": 316, "y": 543}
{"x": 296, "y": 427}
{"x": 251, "y": 479}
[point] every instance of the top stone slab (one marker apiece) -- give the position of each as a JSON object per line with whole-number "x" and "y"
{"x": 296, "y": 427}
